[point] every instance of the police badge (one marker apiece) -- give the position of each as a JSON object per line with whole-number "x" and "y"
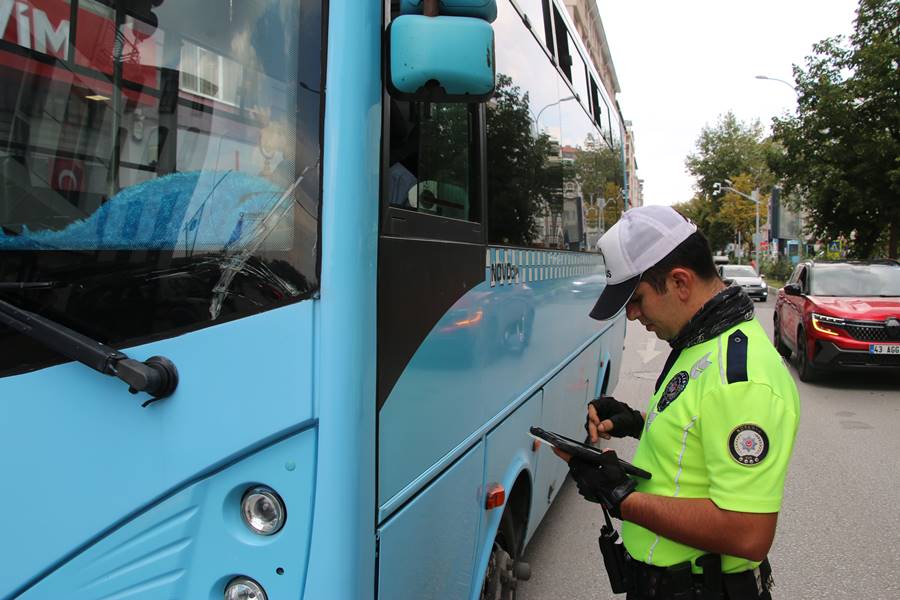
{"x": 748, "y": 444}
{"x": 675, "y": 386}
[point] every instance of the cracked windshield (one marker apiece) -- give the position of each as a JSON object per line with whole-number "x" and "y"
{"x": 159, "y": 163}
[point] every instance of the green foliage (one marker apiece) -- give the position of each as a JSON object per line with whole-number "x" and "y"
{"x": 696, "y": 209}
{"x": 776, "y": 270}
{"x": 529, "y": 171}
{"x": 615, "y": 203}
{"x": 444, "y": 162}
{"x": 841, "y": 152}
{"x": 596, "y": 166}
{"x": 522, "y": 174}
{"x": 727, "y": 149}
{"x": 730, "y": 150}
{"x": 597, "y": 170}
{"x": 739, "y": 213}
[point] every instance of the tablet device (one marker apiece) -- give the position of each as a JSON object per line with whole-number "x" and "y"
{"x": 583, "y": 451}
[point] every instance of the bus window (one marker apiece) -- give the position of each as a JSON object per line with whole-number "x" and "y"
{"x": 596, "y": 111}
{"x": 579, "y": 73}
{"x": 430, "y": 168}
{"x": 536, "y": 13}
{"x": 563, "y": 49}
{"x": 616, "y": 134}
{"x": 553, "y": 182}
{"x": 604, "y": 120}
{"x": 592, "y": 200}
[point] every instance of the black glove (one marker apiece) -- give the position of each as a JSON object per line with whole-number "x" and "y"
{"x": 626, "y": 421}
{"x": 606, "y": 484}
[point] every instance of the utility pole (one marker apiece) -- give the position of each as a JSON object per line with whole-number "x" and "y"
{"x": 755, "y": 197}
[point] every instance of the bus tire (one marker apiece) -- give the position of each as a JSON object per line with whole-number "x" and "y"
{"x": 504, "y": 570}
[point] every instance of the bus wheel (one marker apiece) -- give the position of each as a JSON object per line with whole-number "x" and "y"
{"x": 504, "y": 571}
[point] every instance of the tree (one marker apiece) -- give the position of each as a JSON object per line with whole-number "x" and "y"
{"x": 841, "y": 152}
{"x": 615, "y": 203}
{"x": 738, "y": 213}
{"x": 598, "y": 171}
{"x": 718, "y": 221}
{"x": 730, "y": 148}
{"x": 696, "y": 209}
{"x": 726, "y": 150}
{"x": 596, "y": 164}
{"x": 523, "y": 174}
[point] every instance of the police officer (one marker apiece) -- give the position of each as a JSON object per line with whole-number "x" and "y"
{"x": 717, "y": 434}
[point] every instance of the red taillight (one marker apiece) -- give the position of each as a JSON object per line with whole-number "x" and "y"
{"x": 496, "y": 496}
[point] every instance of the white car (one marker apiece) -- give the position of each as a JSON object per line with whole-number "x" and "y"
{"x": 746, "y": 277}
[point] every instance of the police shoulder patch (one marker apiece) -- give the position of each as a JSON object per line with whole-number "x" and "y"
{"x": 673, "y": 389}
{"x": 748, "y": 444}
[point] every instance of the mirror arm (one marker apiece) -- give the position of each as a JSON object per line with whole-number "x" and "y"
{"x": 430, "y": 8}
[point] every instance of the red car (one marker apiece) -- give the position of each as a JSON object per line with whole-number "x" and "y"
{"x": 840, "y": 315}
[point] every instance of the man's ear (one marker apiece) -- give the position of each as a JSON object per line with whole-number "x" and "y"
{"x": 682, "y": 281}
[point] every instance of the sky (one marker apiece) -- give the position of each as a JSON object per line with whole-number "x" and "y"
{"x": 681, "y": 65}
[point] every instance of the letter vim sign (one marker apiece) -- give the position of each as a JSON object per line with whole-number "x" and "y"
{"x": 43, "y": 26}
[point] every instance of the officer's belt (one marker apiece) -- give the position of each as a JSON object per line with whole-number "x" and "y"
{"x": 679, "y": 583}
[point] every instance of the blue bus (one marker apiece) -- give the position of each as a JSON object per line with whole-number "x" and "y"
{"x": 272, "y": 326}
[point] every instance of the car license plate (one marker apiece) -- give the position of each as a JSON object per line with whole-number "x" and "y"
{"x": 884, "y": 349}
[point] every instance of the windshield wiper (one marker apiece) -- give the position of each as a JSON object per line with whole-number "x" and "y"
{"x": 157, "y": 375}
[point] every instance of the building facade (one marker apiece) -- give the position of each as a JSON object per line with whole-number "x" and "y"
{"x": 586, "y": 17}
{"x": 587, "y": 21}
{"x": 635, "y": 186}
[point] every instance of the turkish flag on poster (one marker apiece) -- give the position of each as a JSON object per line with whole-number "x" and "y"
{"x": 67, "y": 175}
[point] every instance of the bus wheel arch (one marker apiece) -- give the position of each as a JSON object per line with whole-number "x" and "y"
{"x": 504, "y": 567}
{"x": 519, "y": 505}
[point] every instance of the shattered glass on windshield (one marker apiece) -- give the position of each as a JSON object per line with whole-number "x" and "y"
{"x": 159, "y": 162}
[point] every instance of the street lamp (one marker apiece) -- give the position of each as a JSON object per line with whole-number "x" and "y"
{"x": 753, "y": 197}
{"x": 537, "y": 119}
{"x": 602, "y": 208}
{"x": 778, "y": 80}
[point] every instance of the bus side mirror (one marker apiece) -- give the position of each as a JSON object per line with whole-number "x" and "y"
{"x": 441, "y": 59}
{"x": 482, "y": 9}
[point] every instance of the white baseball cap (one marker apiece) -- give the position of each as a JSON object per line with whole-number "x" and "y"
{"x": 641, "y": 238}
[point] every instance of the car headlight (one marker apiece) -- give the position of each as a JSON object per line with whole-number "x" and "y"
{"x": 825, "y": 324}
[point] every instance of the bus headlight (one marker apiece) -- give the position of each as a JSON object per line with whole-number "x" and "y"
{"x": 244, "y": 588}
{"x": 263, "y": 511}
